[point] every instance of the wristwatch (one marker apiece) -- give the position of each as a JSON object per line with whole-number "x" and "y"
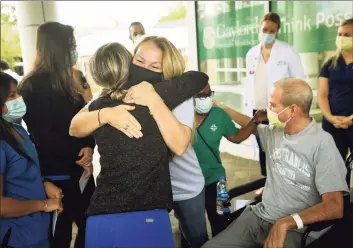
{"x": 254, "y": 121}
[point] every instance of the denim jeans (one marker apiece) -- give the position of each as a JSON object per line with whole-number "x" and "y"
{"x": 192, "y": 220}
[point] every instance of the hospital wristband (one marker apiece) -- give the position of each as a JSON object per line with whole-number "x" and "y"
{"x": 298, "y": 221}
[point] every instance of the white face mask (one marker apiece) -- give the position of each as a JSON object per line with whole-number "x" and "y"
{"x": 16, "y": 110}
{"x": 203, "y": 106}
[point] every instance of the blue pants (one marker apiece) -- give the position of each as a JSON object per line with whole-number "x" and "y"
{"x": 192, "y": 220}
{"x": 145, "y": 229}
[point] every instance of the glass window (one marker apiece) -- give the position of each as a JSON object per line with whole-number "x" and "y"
{"x": 226, "y": 31}
{"x": 311, "y": 27}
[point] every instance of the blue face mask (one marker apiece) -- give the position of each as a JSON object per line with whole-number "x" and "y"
{"x": 203, "y": 106}
{"x": 267, "y": 38}
{"x": 74, "y": 57}
{"x": 16, "y": 110}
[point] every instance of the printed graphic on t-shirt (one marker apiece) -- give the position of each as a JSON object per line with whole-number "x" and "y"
{"x": 214, "y": 127}
{"x": 291, "y": 167}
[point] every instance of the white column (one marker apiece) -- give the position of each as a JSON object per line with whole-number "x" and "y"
{"x": 30, "y": 15}
{"x": 193, "y": 63}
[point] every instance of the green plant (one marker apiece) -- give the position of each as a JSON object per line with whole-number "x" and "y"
{"x": 10, "y": 40}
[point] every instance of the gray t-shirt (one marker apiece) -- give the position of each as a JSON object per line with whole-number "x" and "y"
{"x": 185, "y": 171}
{"x": 300, "y": 168}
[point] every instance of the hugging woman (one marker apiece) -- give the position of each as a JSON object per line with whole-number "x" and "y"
{"x": 133, "y": 193}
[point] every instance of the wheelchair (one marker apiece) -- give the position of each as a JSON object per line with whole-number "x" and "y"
{"x": 339, "y": 235}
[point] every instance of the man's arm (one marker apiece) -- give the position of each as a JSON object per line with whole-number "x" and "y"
{"x": 330, "y": 208}
{"x": 330, "y": 174}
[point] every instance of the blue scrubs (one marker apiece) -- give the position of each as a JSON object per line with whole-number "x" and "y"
{"x": 145, "y": 229}
{"x": 22, "y": 181}
{"x": 340, "y": 98}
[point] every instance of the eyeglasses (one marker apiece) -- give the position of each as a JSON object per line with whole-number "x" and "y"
{"x": 204, "y": 96}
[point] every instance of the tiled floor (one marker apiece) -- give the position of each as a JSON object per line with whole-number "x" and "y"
{"x": 239, "y": 171}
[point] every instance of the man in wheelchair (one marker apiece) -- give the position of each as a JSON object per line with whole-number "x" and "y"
{"x": 305, "y": 175}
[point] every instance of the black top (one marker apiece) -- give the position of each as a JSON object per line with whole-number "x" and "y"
{"x": 340, "y": 81}
{"x": 135, "y": 173}
{"x": 83, "y": 81}
{"x": 48, "y": 119}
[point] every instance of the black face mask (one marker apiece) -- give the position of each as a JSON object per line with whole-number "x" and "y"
{"x": 139, "y": 74}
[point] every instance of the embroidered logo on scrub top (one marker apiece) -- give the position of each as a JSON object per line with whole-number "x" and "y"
{"x": 214, "y": 127}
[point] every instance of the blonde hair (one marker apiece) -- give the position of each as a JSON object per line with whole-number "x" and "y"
{"x": 173, "y": 61}
{"x": 173, "y": 64}
{"x": 109, "y": 68}
{"x": 338, "y": 54}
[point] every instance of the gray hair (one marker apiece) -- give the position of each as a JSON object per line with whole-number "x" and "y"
{"x": 296, "y": 91}
{"x": 109, "y": 68}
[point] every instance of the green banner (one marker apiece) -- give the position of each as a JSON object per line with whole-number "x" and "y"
{"x": 229, "y": 35}
{"x": 310, "y": 26}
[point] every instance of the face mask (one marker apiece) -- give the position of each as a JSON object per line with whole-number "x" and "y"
{"x": 267, "y": 38}
{"x": 139, "y": 74}
{"x": 344, "y": 43}
{"x": 16, "y": 110}
{"x": 137, "y": 38}
{"x": 74, "y": 57}
{"x": 203, "y": 106}
{"x": 273, "y": 118}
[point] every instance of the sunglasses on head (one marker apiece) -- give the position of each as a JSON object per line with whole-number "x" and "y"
{"x": 204, "y": 95}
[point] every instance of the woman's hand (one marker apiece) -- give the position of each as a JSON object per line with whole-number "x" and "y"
{"x": 88, "y": 171}
{"x": 335, "y": 120}
{"x": 120, "y": 118}
{"x": 52, "y": 191}
{"x": 51, "y": 205}
{"x": 142, "y": 94}
{"x": 87, "y": 156}
{"x": 345, "y": 123}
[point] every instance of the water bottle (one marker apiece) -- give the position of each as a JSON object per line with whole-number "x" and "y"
{"x": 222, "y": 196}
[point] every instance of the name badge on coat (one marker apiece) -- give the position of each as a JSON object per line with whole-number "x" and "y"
{"x": 281, "y": 62}
{"x": 252, "y": 72}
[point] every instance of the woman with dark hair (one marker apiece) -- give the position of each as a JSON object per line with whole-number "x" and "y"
{"x": 52, "y": 97}
{"x": 24, "y": 219}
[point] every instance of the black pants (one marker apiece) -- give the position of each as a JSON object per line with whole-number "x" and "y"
{"x": 262, "y": 154}
{"x": 343, "y": 139}
{"x": 218, "y": 222}
{"x": 75, "y": 205}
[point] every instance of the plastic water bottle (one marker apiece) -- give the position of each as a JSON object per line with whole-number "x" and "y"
{"x": 222, "y": 196}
